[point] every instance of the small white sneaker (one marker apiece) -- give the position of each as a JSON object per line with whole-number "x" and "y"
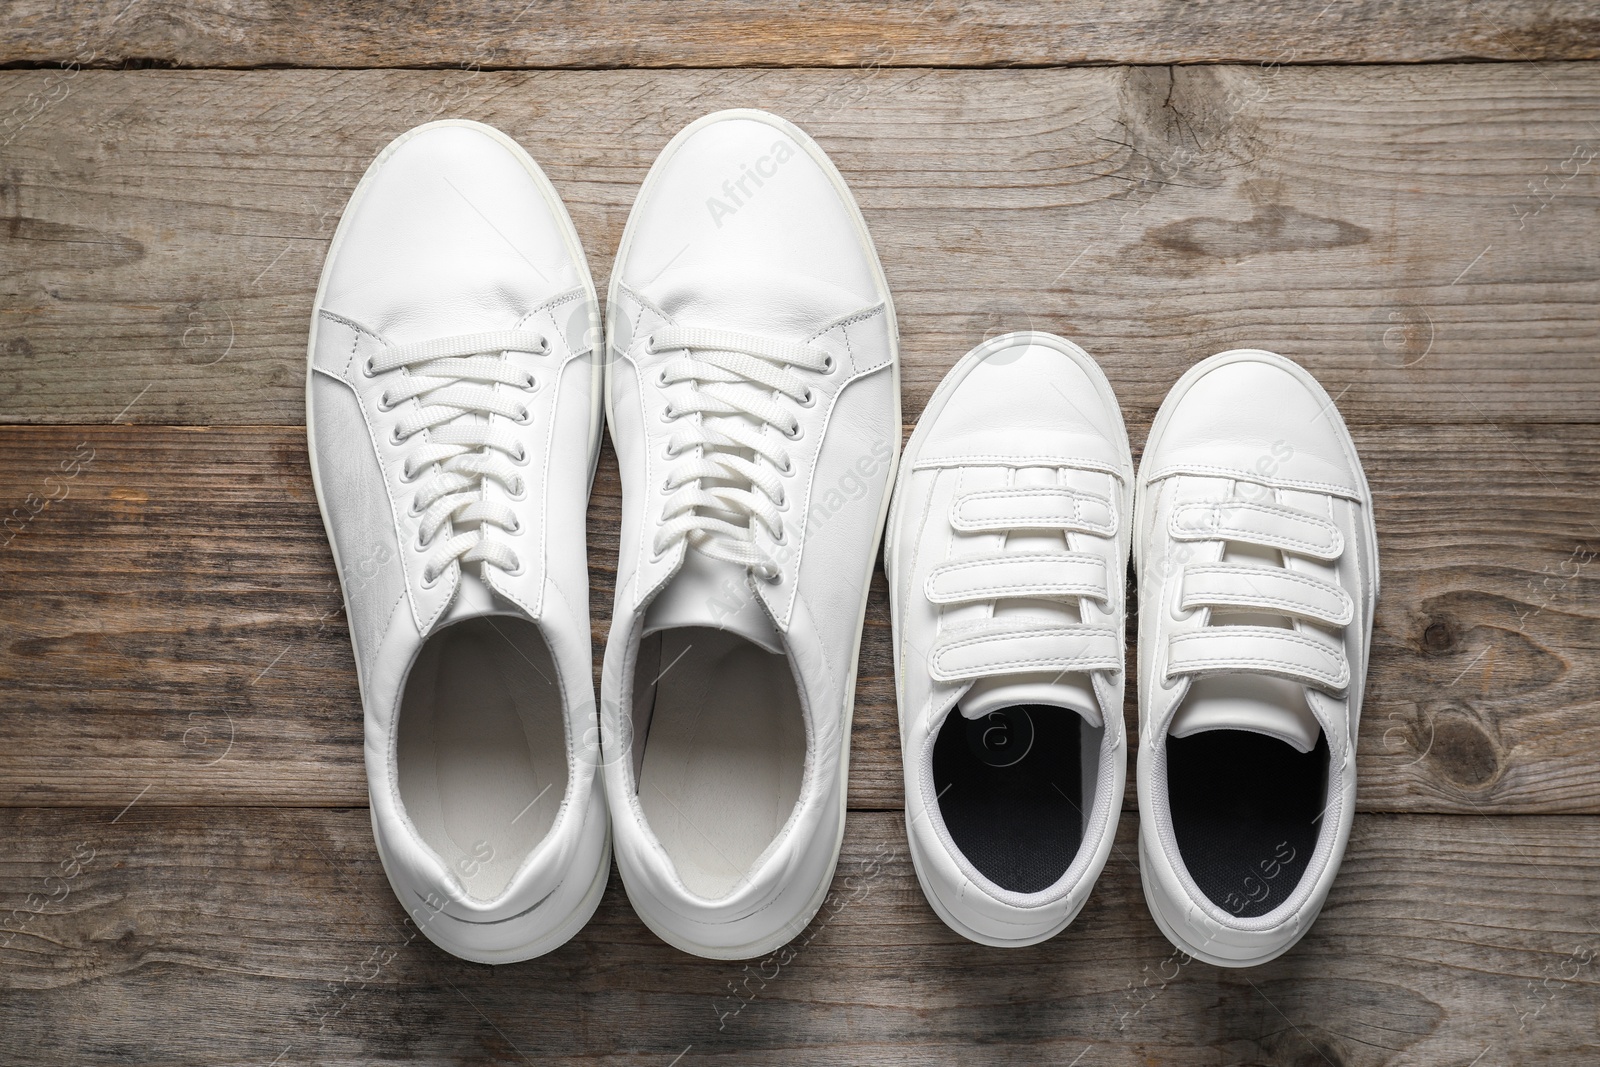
{"x": 1007, "y": 556}
{"x": 1258, "y": 573}
{"x": 754, "y": 402}
{"x": 452, "y": 406}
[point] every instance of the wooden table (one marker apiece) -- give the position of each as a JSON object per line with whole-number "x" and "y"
{"x": 187, "y": 873}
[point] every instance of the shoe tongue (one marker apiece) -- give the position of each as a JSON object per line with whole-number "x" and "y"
{"x": 473, "y": 599}
{"x": 1070, "y": 691}
{"x": 715, "y": 593}
{"x": 1256, "y": 703}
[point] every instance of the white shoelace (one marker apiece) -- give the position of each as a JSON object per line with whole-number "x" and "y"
{"x": 731, "y": 478}
{"x": 453, "y": 380}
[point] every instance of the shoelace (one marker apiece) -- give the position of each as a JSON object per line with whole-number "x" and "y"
{"x": 1022, "y": 644}
{"x": 1310, "y": 658}
{"x": 454, "y": 381}
{"x": 738, "y": 385}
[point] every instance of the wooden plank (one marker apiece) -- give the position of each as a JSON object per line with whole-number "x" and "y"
{"x": 509, "y": 34}
{"x": 171, "y": 620}
{"x": 1424, "y": 239}
{"x": 1443, "y": 936}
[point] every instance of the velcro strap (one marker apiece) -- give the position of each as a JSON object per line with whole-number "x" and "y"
{"x": 1258, "y": 650}
{"x": 1272, "y": 589}
{"x": 1019, "y": 574}
{"x": 1258, "y": 524}
{"x": 1007, "y": 646}
{"x": 1033, "y": 508}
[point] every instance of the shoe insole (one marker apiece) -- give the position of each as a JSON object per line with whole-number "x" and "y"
{"x": 1246, "y": 812}
{"x": 724, "y": 753}
{"x": 1015, "y": 788}
{"x": 482, "y": 750}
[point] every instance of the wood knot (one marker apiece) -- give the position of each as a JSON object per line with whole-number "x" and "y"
{"x": 1440, "y": 635}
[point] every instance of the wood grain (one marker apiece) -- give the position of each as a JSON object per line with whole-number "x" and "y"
{"x": 725, "y": 33}
{"x": 235, "y": 936}
{"x": 172, "y": 621}
{"x": 1424, "y": 239}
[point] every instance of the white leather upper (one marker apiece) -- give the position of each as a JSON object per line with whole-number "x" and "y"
{"x": 743, "y": 225}
{"x": 455, "y": 231}
{"x": 1248, "y": 448}
{"x": 1022, "y": 434}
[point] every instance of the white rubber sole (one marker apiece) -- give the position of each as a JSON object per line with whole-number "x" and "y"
{"x": 1189, "y": 948}
{"x": 763, "y": 946}
{"x": 565, "y": 930}
{"x": 968, "y": 932}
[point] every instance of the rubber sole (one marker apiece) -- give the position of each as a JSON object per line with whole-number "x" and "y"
{"x": 1187, "y": 947}
{"x": 574, "y": 921}
{"x": 968, "y": 932}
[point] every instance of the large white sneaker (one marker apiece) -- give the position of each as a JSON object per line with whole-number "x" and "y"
{"x": 1258, "y": 573}
{"x": 1007, "y": 555}
{"x": 753, "y": 398}
{"x": 452, "y": 404}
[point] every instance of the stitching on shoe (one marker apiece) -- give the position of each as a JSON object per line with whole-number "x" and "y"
{"x": 1342, "y": 678}
{"x": 1234, "y": 474}
{"x": 1292, "y": 576}
{"x": 1078, "y": 500}
{"x": 987, "y": 591}
{"x": 1217, "y": 530}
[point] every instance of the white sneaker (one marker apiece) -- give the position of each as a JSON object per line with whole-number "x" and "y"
{"x": 1007, "y": 556}
{"x": 1258, "y": 573}
{"x": 753, "y": 397}
{"x": 452, "y": 406}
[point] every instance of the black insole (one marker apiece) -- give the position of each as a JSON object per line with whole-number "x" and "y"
{"x": 1010, "y": 786}
{"x": 1242, "y": 808}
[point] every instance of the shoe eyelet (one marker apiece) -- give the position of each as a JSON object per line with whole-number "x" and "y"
{"x": 771, "y": 579}
{"x": 523, "y": 419}
{"x": 661, "y": 379}
{"x": 667, "y": 414}
{"x": 396, "y": 437}
{"x": 827, "y": 363}
{"x": 516, "y": 526}
{"x": 781, "y": 537}
{"x": 650, "y": 345}
{"x": 383, "y": 402}
{"x": 787, "y": 468}
{"x": 422, "y": 545}
{"x": 414, "y": 510}
{"x": 520, "y": 492}
{"x": 531, "y": 385}
{"x": 367, "y": 368}
{"x": 809, "y": 399}
{"x": 798, "y": 431}
{"x": 521, "y": 458}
